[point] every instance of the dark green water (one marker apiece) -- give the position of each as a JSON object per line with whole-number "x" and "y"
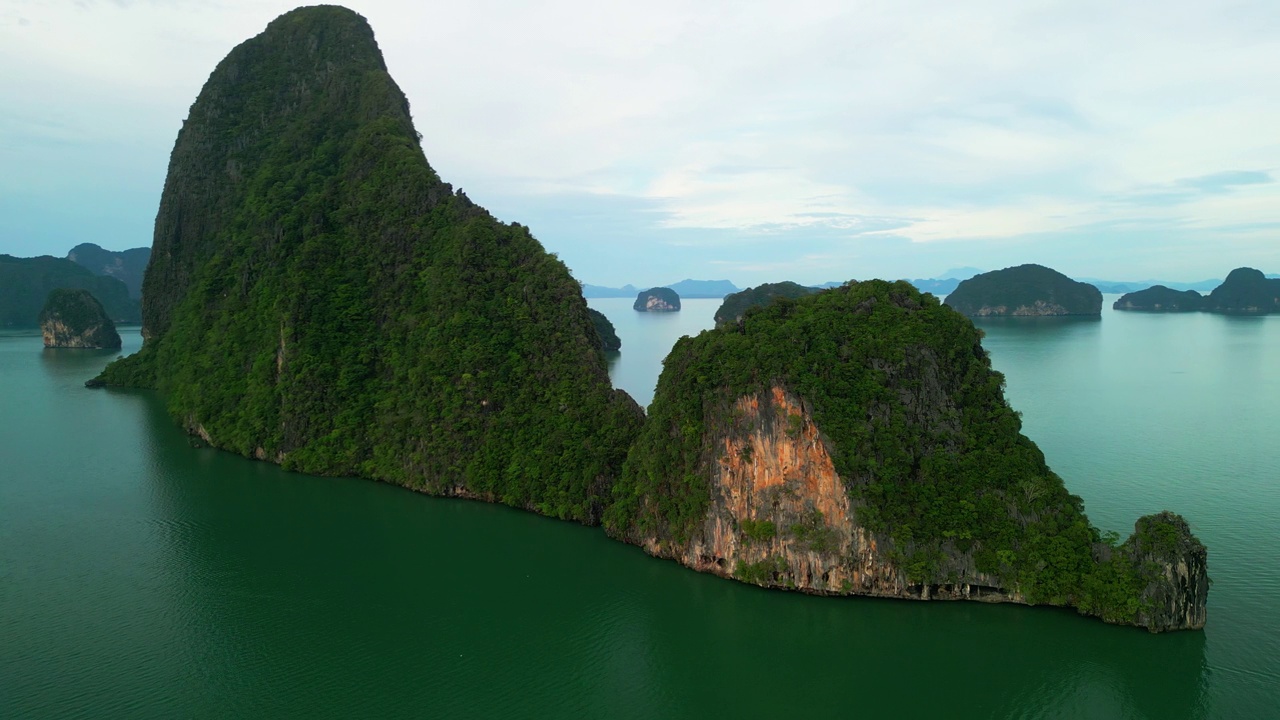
{"x": 143, "y": 578}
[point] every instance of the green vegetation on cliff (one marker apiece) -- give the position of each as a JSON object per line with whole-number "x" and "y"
{"x": 75, "y": 318}
{"x": 609, "y": 340}
{"x": 318, "y": 297}
{"x": 930, "y": 452}
{"x": 737, "y": 304}
{"x": 1025, "y": 291}
{"x": 25, "y": 284}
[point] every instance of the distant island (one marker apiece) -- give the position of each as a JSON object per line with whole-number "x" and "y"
{"x": 1246, "y": 291}
{"x": 25, "y": 284}
{"x": 684, "y": 288}
{"x": 1025, "y": 291}
{"x": 657, "y": 300}
{"x": 1160, "y": 299}
{"x": 737, "y": 304}
{"x": 75, "y": 319}
{"x": 127, "y": 266}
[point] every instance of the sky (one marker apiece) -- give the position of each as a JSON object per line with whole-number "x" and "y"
{"x": 647, "y": 142}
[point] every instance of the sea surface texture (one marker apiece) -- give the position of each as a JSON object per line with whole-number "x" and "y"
{"x": 142, "y": 577}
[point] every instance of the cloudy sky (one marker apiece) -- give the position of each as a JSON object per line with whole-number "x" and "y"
{"x": 646, "y": 142}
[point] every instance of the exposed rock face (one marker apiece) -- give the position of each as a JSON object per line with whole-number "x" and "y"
{"x": 780, "y": 516}
{"x": 1173, "y": 566}
{"x": 1025, "y": 291}
{"x": 657, "y": 300}
{"x": 75, "y": 319}
{"x": 1246, "y": 291}
{"x": 1159, "y": 298}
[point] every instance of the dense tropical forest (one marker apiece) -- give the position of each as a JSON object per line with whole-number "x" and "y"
{"x": 317, "y": 296}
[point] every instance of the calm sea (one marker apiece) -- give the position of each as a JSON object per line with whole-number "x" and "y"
{"x": 143, "y": 578}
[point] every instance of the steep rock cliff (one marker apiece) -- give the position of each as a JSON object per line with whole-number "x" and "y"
{"x": 857, "y": 441}
{"x": 75, "y": 319}
{"x": 317, "y": 296}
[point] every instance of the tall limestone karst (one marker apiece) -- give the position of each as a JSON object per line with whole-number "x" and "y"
{"x": 857, "y": 442}
{"x": 318, "y": 297}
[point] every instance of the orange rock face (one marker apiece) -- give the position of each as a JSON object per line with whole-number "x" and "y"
{"x": 781, "y": 516}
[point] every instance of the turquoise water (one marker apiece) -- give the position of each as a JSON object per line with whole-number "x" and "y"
{"x": 143, "y": 578}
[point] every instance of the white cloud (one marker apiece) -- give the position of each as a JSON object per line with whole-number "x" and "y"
{"x": 984, "y": 119}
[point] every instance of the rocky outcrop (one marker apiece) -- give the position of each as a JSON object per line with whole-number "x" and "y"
{"x": 1025, "y": 291}
{"x": 1173, "y": 569}
{"x": 657, "y": 300}
{"x": 1159, "y": 298}
{"x": 75, "y": 319}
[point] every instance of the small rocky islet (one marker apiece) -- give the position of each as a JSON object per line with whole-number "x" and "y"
{"x": 659, "y": 299}
{"x": 853, "y": 441}
{"x": 73, "y": 318}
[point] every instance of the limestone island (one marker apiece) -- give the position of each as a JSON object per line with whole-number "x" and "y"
{"x": 1246, "y": 291}
{"x": 75, "y": 319}
{"x": 363, "y": 317}
{"x": 1159, "y": 298}
{"x": 609, "y": 340}
{"x": 857, "y": 442}
{"x": 736, "y": 304}
{"x": 1025, "y": 291}
{"x": 659, "y": 299}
